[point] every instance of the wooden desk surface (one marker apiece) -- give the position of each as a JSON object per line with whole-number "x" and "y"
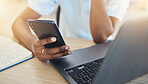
{"x": 36, "y": 72}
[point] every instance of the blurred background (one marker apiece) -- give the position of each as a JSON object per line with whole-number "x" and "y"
{"x": 10, "y": 9}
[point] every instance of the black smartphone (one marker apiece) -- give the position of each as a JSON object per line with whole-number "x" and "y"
{"x": 44, "y": 29}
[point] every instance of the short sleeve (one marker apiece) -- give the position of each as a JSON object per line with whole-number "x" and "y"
{"x": 42, "y": 7}
{"x": 117, "y": 8}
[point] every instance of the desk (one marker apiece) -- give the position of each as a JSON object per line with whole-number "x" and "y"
{"x": 36, "y": 72}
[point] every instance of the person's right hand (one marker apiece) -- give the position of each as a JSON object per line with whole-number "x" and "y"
{"x": 45, "y": 54}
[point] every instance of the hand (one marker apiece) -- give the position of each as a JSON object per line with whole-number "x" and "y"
{"x": 45, "y": 54}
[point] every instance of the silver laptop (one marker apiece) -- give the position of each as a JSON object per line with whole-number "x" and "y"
{"x": 116, "y": 62}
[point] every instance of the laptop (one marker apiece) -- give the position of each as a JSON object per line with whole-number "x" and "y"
{"x": 116, "y": 62}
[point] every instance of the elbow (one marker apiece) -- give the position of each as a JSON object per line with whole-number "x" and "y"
{"x": 102, "y": 37}
{"x": 13, "y": 26}
{"x": 14, "y": 29}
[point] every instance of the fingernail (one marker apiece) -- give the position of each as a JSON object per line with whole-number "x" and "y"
{"x": 66, "y": 48}
{"x": 69, "y": 52}
{"x": 53, "y": 39}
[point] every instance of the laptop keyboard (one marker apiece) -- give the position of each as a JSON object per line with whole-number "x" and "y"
{"x": 84, "y": 73}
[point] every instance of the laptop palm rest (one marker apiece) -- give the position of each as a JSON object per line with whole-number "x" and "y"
{"x": 79, "y": 57}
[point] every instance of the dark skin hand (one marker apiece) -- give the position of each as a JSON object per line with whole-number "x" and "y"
{"x": 49, "y": 53}
{"x": 33, "y": 43}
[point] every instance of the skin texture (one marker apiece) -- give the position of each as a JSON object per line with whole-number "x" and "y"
{"x": 101, "y": 26}
{"x": 24, "y": 35}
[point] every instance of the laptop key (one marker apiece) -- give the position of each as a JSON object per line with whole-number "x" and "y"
{"x": 87, "y": 83}
{"x": 78, "y": 72}
{"x": 80, "y": 75}
{"x": 74, "y": 68}
{"x": 85, "y": 79}
{"x": 86, "y": 73}
{"x": 75, "y": 77}
{"x": 80, "y": 67}
{"x": 79, "y": 81}
{"x": 71, "y": 73}
{"x": 90, "y": 77}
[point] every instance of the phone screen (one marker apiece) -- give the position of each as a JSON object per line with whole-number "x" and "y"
{"x": 46, "y": 28}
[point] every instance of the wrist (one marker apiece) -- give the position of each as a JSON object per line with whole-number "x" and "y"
{"x": 32, "y": 44}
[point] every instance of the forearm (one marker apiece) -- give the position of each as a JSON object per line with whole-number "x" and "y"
{"x": 23, "y": 33}
{"x": 100, "y": 23}
{"x": 21, "y": 29}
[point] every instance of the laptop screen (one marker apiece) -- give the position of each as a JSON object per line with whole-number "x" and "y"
{"x": 127, "y": 58}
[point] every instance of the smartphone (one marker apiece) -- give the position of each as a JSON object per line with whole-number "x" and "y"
{"x": 44, "y": 29}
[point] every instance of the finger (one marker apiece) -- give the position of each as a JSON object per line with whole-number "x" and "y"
{"x": 44, "y": 57}
{"x": 55, "y": 50}
{"x": 62, "y": 54}
{"x": 39, "y": 50}
{"x": 49, "y": 57}
{"x": 47, "y": 41}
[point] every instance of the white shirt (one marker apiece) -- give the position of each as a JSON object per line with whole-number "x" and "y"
{"x": 75, "y": 14}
